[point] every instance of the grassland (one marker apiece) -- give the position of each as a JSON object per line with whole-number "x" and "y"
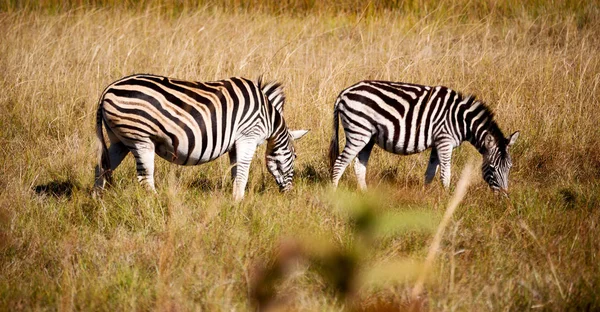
{"x": 191, "y": 248}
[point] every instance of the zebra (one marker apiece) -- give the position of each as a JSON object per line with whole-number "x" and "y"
{"x": 191, "y": 123}
{"x": 405, "y": 118}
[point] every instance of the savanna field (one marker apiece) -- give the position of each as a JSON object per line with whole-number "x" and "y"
{"x": 191, "y": 247}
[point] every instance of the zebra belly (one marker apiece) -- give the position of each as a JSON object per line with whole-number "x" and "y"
{"x": 166, "y": 151}
{"x": 398, "y": 147}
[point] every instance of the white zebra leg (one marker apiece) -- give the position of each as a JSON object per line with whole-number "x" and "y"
{"x": 144, "y": 160}
{"x": 432, "y": 166}
{"x": 360, "y": 169}
{"x": 360, "y": 165}
{"x": 444, "y": 156}
{"x": 244, "y": 154}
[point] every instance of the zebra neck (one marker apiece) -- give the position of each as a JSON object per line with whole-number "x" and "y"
{"x": 279, "y": 135}
{"x": 479, "y": 121}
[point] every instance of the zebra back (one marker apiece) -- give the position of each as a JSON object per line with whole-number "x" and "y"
{"x": 408, "y": 118}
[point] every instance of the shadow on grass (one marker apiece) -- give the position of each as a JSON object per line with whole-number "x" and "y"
{"x": 204, "y": 184}
{"x": 393, "y": 175}
{"x": 311, "y": 174}
{"x": 390, "y": 175}
{"x": 56, "y": 189}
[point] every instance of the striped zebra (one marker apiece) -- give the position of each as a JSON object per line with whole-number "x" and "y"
{"x": 190, "y": 123}
{"x": 404, "y": 118}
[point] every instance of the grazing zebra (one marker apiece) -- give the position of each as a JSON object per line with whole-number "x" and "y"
{"x": 190, "y": 123}
{"x": 405, "y": 118}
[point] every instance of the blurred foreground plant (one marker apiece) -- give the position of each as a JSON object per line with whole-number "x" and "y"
{"x": 346, "y": 269}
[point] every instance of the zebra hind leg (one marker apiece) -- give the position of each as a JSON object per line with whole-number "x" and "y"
{"x": 432, "y": 166}
{"x": 144, "y": 161}
{"x": 360, "y": 165}
{"x": 116, "y": 153}
{"x": 233, "y": 162}
{"x": 351, "y": 149}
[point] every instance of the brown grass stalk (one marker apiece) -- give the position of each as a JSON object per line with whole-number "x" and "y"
{"x": 459, "y": 194}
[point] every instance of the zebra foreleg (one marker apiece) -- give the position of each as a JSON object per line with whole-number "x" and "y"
{"x": 144, "y": 161}
{"x": 360, "y": 165}
{"x": 432, "y": 167}
{"x": 244, "y": 152}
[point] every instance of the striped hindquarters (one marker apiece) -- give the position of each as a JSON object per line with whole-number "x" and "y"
{"x": 187, "y": 122}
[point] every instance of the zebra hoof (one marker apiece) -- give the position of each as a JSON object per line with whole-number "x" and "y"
{"x": 286, "y": 189}
{"x": 97, "y": 192}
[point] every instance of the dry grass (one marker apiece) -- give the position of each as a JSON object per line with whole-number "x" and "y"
{"x": 191, "y": 248}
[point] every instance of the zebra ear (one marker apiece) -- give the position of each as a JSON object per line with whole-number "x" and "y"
{"x": 489, "y": 141}
{"x": 297, "y": 134}
{"x": 513, "y": 138}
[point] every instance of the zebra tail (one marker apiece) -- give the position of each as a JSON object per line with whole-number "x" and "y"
{"x": 334, "y": 146}
{"x": 103, "y": 158}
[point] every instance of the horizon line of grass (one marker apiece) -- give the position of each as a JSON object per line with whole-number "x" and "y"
{"x": 584, "y": 12}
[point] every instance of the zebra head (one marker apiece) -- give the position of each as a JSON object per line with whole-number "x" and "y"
{"x": 281, "y": 156}
{"x": 497, "y": 162}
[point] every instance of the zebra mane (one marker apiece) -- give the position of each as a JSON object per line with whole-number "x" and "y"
{"x": 274, "y": 92}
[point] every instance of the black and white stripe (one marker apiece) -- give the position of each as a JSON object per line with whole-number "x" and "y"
{"x": 405, "y": 118}
{"x": 190, "y": 123}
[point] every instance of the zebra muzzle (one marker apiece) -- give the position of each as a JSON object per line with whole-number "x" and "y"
{"x": 501, "y": 192}
{"x": 286, "y": 188}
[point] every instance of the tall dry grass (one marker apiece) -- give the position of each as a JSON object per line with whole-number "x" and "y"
{"x": 190, "y": 247}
